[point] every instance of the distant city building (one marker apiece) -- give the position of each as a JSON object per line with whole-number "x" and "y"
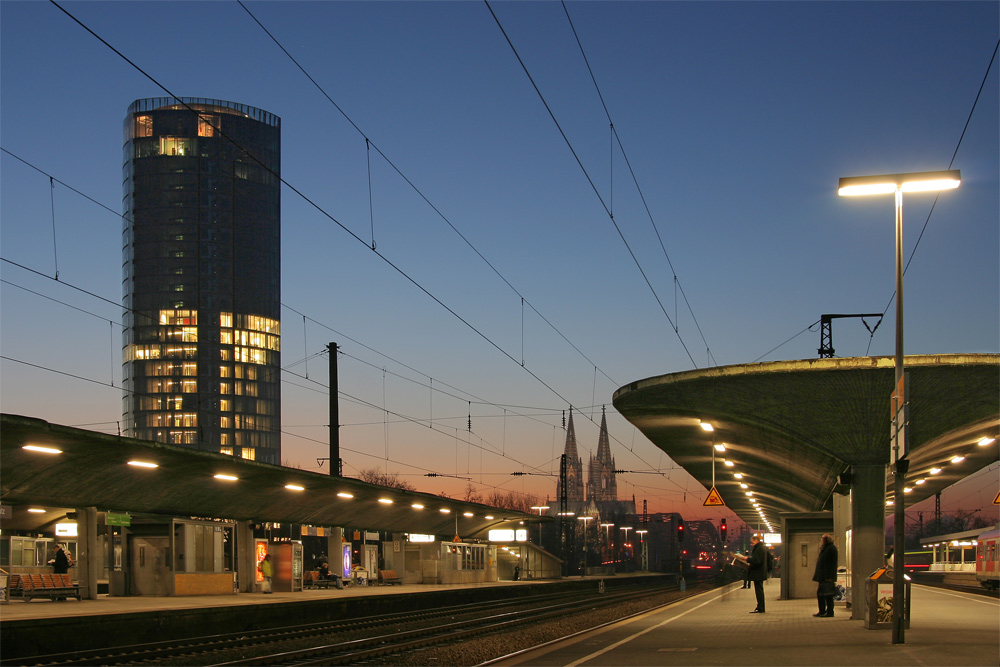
{"x": 201, "y": 276}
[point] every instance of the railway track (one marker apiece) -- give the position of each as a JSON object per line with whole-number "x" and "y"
{"x": 379, "y": 639}
{"x": 975, "y": 590}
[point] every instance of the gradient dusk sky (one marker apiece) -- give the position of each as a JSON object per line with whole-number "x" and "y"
{"x": 500, "y": 291}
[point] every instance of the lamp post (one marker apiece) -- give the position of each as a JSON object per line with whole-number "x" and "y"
{"x": 625, "y": 542}
{"x": 607, "y": 539}
{"x": 584, "y": 519}
{"x": 642, "y": 540}
{"x": 540, "y": 508}
{"x": 927, "y": 181}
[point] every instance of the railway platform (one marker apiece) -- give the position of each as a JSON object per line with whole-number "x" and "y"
{"x": 712, "y": 628}
{"x": 716, "y": 628}
{"x": 44, "y": 626}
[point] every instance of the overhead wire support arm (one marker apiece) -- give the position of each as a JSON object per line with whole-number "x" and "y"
{"x": 826, "y": 330}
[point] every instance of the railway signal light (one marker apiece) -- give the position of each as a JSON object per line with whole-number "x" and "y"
{"x": 680, "y": 530}
{"x": 722, "y": 530}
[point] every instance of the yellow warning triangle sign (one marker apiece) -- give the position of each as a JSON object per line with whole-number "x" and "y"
{"x": 714, "y": 499}
{"x": 996, "y": 501}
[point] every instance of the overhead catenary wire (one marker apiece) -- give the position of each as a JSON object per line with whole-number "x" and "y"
{"x": 305, "y": 317}
{"x": 593, "y": 187}
{"x": 369, "y": 145}
{"x": 294, "y": 435}
{"x": 326, "y": 214}
{"x": 937, "y": 196}
{"x": 951, "y": 163}
{"x": 616, "y": 138}
{"x": 323, "y": 211}
{"x": 285, "y": 370}
{"x": 52, "y": 197}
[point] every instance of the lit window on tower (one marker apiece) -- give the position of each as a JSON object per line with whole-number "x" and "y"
{"x": 207, "y": 125}
{"x": 143, "y": 126}
{"x": 177, "y": 146}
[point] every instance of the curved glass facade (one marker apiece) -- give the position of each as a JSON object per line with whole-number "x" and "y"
{"x": 201, "y": 276}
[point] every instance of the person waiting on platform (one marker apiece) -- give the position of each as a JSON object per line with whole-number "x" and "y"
{"x": 61, "y": 562}
{"x": 266, "y": 570}
{"x": 757, "y": 570}
{"x": 826, "y": 577}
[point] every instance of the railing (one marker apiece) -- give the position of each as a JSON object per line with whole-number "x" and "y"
{"x": 153, "y": 103}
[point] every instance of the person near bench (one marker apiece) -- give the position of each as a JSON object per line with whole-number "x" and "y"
{"x": 60, "y": 562}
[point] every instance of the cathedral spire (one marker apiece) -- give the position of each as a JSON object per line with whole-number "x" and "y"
{"x": 601, "y": 482}
{"x": 603, "y": 445}
{"x": 570, "y": 450}
{"x": 574, "y": 466}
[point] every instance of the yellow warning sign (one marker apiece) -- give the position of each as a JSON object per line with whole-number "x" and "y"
{"x": 714, "y": 499}
{"x": 996, "y": 501}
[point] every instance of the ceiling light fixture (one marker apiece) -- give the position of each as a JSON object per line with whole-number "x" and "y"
{"x": 43, "y": 450}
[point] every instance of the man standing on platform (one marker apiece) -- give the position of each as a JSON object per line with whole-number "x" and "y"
{"x": 826, "y": 577}
{"x": 60, "y": 562}
{"x": 757, "y": 571}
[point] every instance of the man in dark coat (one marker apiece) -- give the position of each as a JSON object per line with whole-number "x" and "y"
{"x": 60, "y": 562}
{"x": 826, "y": 577}
{"x": 757, "y": 571}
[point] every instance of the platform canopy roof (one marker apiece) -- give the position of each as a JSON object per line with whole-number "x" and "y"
{"x": 93, "y": 470}
{"x": 793, "y": 428}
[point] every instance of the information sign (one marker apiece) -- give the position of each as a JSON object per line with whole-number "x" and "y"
{"x": 117, "y": 519}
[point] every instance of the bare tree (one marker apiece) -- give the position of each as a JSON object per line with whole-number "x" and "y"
{"x": 389, "y": 479}
{"x": 472, "y": 494}
{"x": 512, "y": 500}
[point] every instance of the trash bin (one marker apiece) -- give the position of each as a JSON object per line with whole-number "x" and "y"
{"x": 878, "y": 600}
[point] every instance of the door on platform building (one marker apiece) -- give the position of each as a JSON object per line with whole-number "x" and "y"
{"x": 800, "y": 561}
{"x": 149, "y": 565}
{"x": 369, "y": 560}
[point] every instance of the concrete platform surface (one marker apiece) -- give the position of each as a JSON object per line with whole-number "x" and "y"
{"x": 716, "y": 628}
{"x": 41, "y": 608}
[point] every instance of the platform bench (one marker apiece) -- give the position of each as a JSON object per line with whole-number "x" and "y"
{"x": 313, "y": 580}
{"x": 52, "y": 586}
{"x": 389, "y": 577}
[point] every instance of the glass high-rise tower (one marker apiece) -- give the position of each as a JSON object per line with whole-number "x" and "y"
{"x": 201, "y": 276}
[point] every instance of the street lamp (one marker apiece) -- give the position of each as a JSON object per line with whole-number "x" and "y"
{"x": 540, "y": 508}
{"x": 927, "y": 181}
{"x": 607, "y": 539}
{"x": 625, "y": 542}
{"x": 584, "y": 519}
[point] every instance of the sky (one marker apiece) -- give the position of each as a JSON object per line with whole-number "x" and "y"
{"x": 539, "y": 240}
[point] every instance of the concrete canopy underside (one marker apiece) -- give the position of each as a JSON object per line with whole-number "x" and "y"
{"x": 92, "y": 471}
{"x": 792, "y": 427}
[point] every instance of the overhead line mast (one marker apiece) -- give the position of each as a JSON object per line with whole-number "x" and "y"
{"x": 826, "y": 331}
